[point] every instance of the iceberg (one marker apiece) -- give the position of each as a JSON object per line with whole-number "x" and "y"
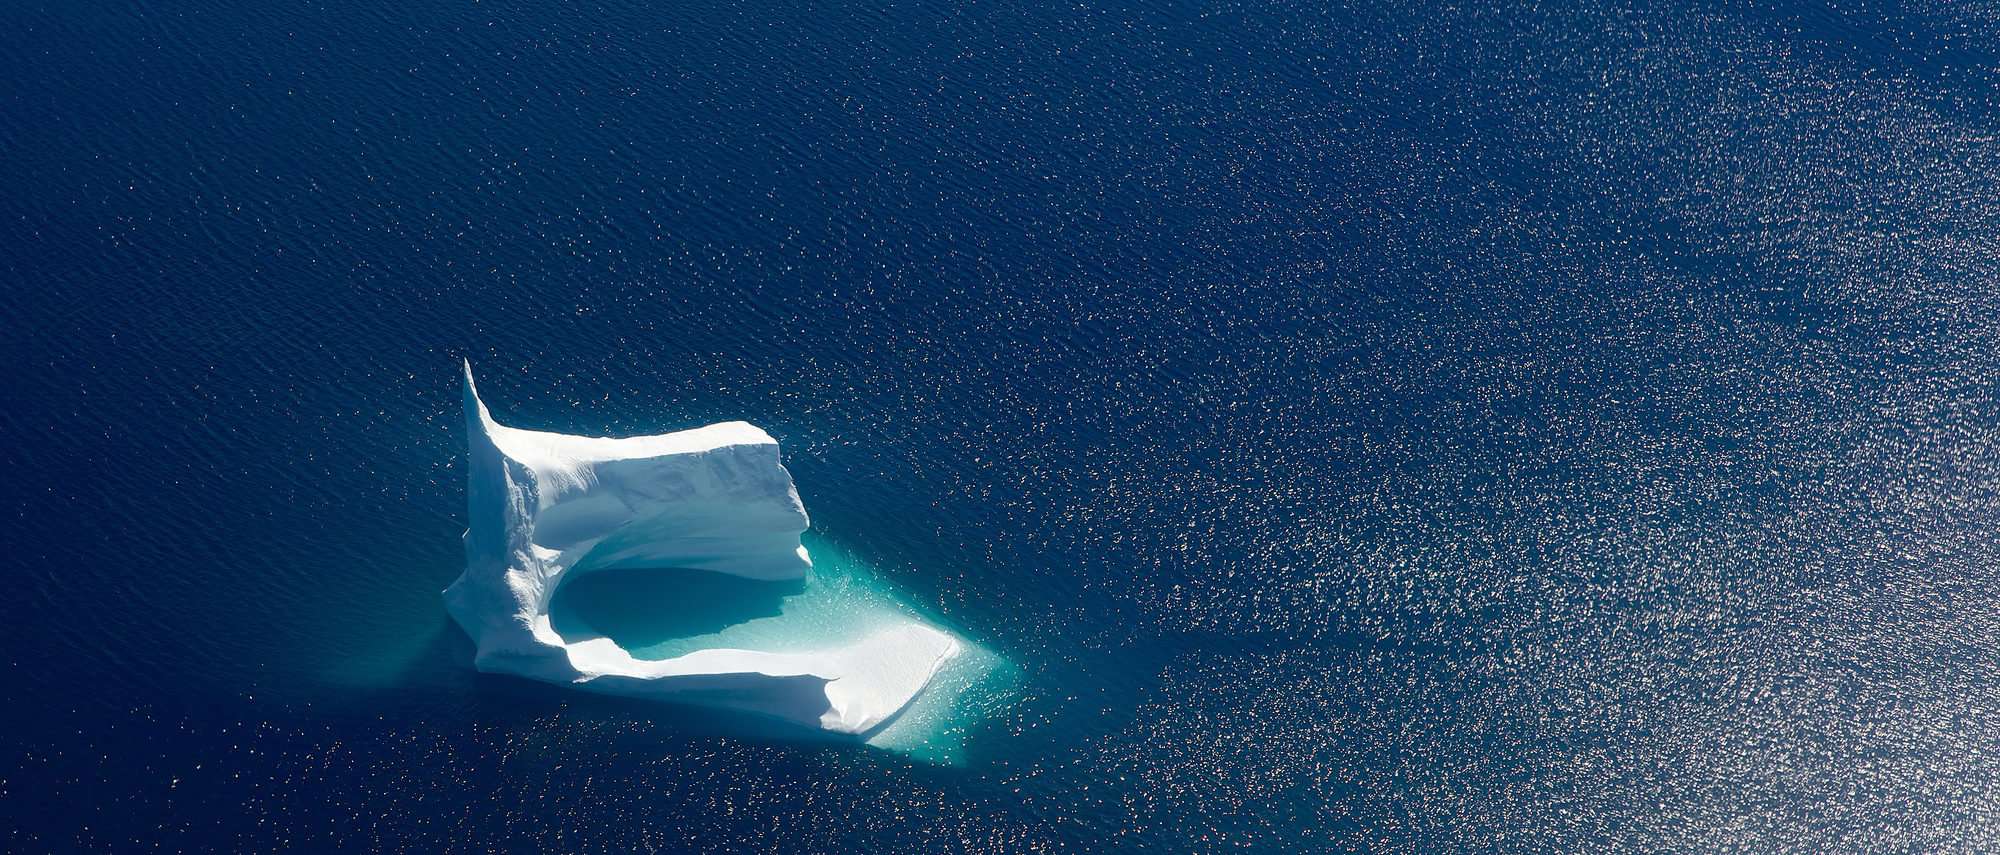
{"x": 547, "y": 509}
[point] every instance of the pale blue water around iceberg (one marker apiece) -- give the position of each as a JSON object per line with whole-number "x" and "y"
{"x": 661, "y": 615}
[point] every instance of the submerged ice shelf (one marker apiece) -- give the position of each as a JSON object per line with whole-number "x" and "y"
{"x": 683, "y": 553}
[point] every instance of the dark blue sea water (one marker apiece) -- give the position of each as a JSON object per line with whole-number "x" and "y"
{"x": 1403, "y": 428}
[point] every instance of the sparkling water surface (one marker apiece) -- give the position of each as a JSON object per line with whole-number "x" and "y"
{"x": 1391, "y": 427}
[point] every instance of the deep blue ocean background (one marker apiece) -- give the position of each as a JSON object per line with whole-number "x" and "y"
{"x": 1398, "y": 427}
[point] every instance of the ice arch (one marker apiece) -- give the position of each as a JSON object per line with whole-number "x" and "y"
{"x": 547, "y": 507}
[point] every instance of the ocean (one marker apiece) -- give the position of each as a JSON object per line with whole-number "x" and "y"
{"x": 1362, "y": 427}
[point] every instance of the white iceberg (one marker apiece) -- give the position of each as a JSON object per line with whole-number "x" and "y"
{"x": 547, "y": 508}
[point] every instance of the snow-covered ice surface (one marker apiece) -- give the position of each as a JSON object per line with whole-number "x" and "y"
{"x": 709, "y": 511}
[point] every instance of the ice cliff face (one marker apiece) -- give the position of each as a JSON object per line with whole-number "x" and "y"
{"x": 548, "y": 507}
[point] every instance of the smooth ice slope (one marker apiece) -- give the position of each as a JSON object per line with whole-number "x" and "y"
{"x": 546, "y": 507}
